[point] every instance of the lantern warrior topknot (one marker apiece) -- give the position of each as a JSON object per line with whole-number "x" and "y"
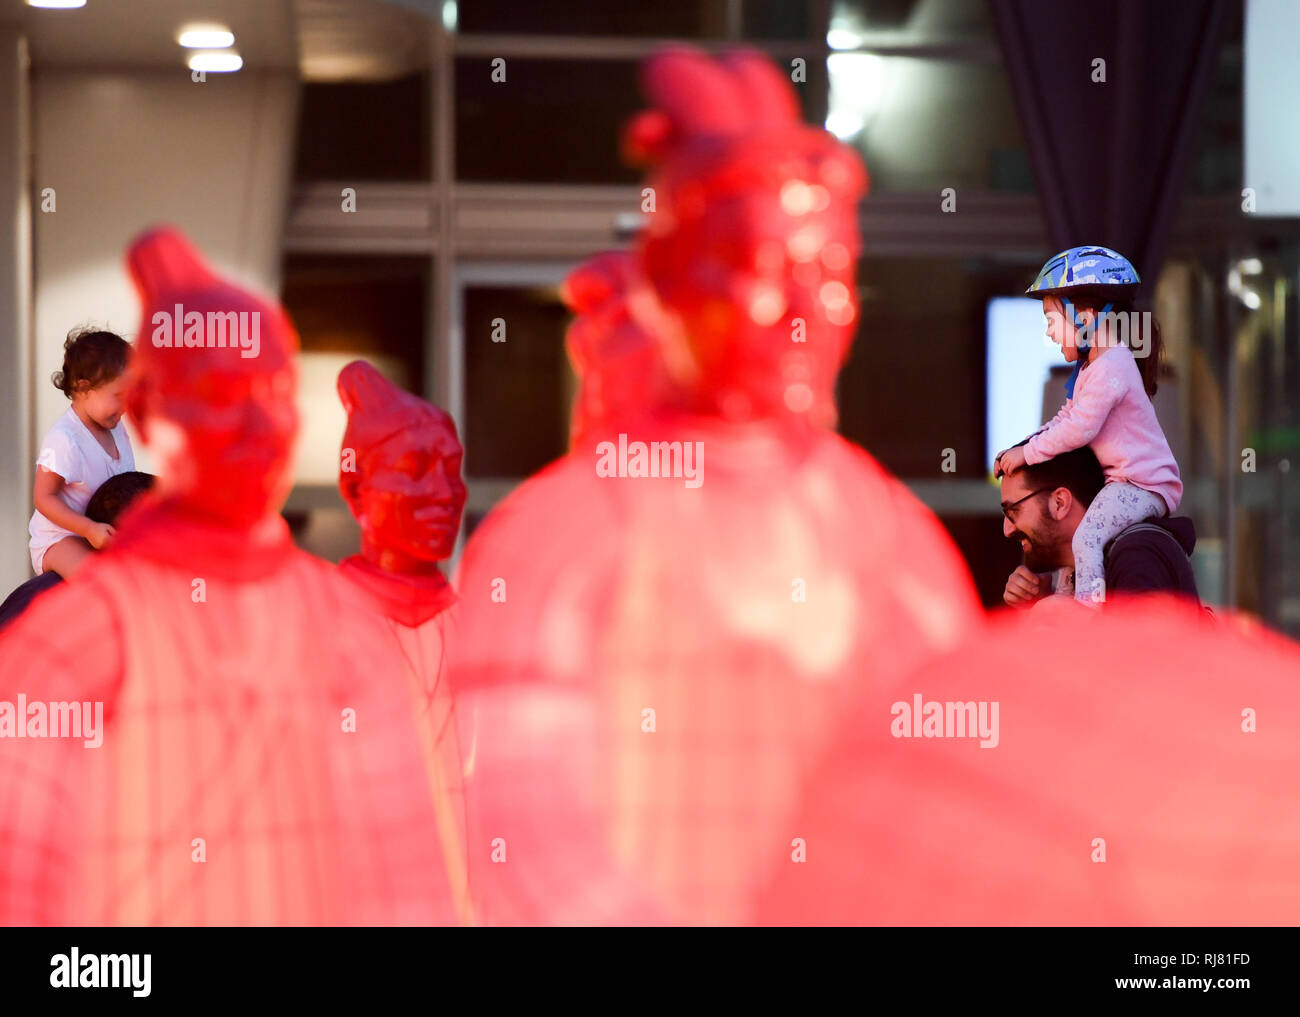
{"x": 751, "y": 247}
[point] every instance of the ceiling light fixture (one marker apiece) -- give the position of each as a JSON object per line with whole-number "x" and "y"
{"x": 206, "y": 37}
{"x": 215, "y": 61}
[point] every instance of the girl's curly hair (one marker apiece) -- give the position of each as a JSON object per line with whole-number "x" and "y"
{"x": 91, "y": 357}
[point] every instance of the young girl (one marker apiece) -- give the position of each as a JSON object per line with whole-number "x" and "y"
{"x": 86, "y": 446}
{"x": 1087, "y": 295}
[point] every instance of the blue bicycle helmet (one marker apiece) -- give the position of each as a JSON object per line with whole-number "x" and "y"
{"x": 1087, "y": 270}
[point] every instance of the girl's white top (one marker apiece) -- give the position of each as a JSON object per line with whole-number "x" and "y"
{"x": 71, "y": 451}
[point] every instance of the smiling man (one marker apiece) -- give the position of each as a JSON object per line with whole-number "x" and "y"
{"x": 1042, "y": 506}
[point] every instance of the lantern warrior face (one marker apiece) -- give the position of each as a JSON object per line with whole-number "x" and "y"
{"x": 221, "y": 423}
{"x": 752, "y": 244}
{"x": 406, "y": 490}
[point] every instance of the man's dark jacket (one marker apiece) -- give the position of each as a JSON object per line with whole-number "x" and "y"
{"x": 1153, "y": 556}
{"x": 18, "y": 601}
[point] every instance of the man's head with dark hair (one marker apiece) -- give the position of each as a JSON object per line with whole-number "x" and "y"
{"x": 115, "y": 495}
{"x": 1078, "y": 470}
{"x": 1044, "y": 504}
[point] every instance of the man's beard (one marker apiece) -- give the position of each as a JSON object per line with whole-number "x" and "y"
{"x": 1041, "y": 556}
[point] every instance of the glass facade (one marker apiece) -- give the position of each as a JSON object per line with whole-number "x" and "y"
{"x": 364, "y": 130}
{"x": 534, "y": 184}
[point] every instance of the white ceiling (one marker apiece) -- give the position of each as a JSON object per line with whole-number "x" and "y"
{"x": 360, "y": 40}
{"x": 327, "y": 40}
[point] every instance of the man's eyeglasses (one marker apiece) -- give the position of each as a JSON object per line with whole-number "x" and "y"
{"x": 1011, "y": 506}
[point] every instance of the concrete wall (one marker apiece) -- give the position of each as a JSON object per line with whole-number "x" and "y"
{"x": 15, "y": 311}
{"x": 123, "y": 151}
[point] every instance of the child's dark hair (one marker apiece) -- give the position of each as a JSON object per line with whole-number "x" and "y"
{"x": 91, "y": 357}
{"x": 1149, "y": 365}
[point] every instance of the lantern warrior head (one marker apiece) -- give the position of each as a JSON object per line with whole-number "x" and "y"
{"x": 751, "y": 246}
{"x": 220, "y": 421}
{"x": 405, "y": 490}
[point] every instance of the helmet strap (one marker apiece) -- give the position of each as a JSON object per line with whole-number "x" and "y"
{"x": 1083, "y": 346}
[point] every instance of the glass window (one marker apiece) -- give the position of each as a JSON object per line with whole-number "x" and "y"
{"x": 550, "y": 121}
{"x": 680, "y": 19}
{"x": 915, "y": 381}
{"x": 518, "y": 391}
{"x": 361, "y": 304}
{"x": 925, "y": 124}
{"x": 1265, "y": 459}
{"x": 364, "y": 130}
{"x": 783, "y": 19}
{"x": 1216, "y": 160}
{"x": 918, "y": 21}
{"x": 1192, "y": 405}
{"x": 345, "y": 308}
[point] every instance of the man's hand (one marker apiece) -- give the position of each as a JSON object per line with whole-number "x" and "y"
{"x": 1025, "y": 587}
{"x": 99, "y": 535}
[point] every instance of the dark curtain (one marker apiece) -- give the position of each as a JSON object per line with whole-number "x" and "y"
{"x": 1111, "y": 158}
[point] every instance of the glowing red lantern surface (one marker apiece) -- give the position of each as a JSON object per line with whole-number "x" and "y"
{"x": 229, "y": 788}
{"x": 655, "y": 659}
{"x": 621, "y": 373}
{"x": 400, "y": 475}
{"x": 1144, "y": 773}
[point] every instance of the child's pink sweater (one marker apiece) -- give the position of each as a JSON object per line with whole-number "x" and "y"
{"x": 1111, "y": 412}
